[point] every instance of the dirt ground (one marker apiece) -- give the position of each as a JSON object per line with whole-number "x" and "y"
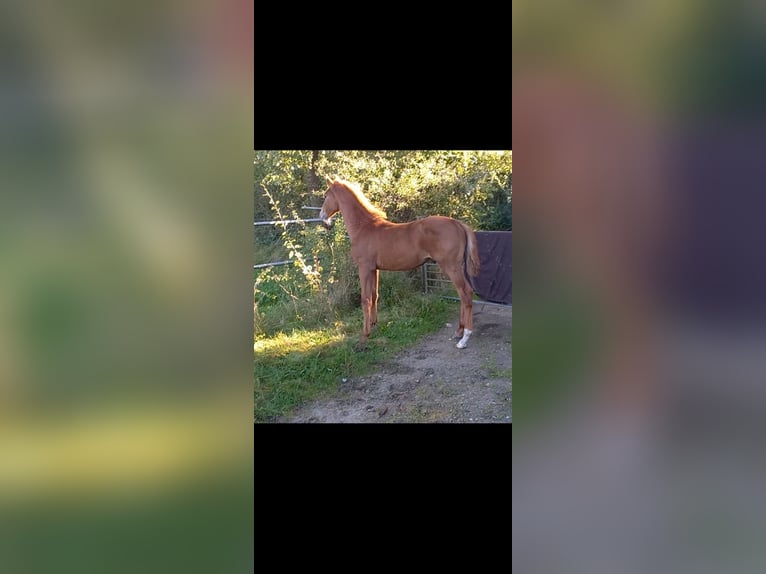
{"x": 431, "y": 382}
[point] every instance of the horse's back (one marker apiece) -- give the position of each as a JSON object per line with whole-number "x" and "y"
{"x": 443, "y": 227}
{"x": 443, "y": 237}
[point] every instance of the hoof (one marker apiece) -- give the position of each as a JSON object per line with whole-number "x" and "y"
{"x": 461, "y": 344}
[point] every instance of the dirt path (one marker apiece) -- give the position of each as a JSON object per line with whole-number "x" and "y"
{"x": 432, "y": 382}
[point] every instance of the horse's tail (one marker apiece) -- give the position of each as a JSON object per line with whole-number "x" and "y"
{"x": 471, "y": 262}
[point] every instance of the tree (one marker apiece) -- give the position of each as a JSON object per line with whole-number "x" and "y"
{"x": 474, "y": 186}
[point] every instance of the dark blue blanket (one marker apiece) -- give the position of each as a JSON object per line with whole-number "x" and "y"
{"x": 494, "y": 280}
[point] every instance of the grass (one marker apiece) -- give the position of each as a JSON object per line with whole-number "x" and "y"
{"x": 305, "y": 357}
{"x": 494, "y": 371}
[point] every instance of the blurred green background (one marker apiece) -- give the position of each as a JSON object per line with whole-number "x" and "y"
{"x": 125, "y": 240}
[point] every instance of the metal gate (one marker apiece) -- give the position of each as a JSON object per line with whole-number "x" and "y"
{"x": 436, "y": 282}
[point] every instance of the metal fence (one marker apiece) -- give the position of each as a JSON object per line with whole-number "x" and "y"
{"x": 435, "y": 281}
{"x": 284, "y": 222}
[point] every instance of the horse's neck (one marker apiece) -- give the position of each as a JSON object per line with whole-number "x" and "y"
{"x": 355, "y": 216}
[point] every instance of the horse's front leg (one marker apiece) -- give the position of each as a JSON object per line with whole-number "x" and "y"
{"x": 367, "y": 279}
{"x": 374, "y": 302}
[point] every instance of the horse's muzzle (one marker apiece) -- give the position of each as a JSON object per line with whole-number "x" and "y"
{"x": 326, "y": 221}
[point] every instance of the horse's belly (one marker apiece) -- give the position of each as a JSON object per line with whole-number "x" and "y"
{"x": 402, "y": 260}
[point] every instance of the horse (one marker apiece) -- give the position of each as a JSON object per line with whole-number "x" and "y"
{"x": 377, "y": 243}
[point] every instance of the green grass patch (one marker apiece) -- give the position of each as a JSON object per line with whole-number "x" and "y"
{"x": 494, "y": 371}
{"x": 303, "y": 360}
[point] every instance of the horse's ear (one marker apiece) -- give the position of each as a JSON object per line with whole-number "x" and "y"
{"x": 328, "y": 179}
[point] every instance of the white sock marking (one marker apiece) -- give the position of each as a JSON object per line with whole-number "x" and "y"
{"x": 464, "y": 341}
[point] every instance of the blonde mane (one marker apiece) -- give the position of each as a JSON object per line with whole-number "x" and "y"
{"x": 356, "y": 190}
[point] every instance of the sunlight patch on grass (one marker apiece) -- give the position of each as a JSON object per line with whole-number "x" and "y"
{"x": 295, "y": 342}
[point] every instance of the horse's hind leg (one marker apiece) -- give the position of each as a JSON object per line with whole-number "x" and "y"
{"x": 457, "y": 280}
{"x": 466, "y": 313}
{"x": 465, "y": 327}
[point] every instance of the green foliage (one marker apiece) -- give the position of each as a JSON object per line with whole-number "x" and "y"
{"x": 474, "y": 186}
{"x": 322, "y": 281}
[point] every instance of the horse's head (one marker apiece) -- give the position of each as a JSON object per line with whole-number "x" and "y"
{"x": 330, "y": 206}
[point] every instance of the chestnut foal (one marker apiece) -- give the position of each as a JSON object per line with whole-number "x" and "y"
{"x": 377, "y": 243}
